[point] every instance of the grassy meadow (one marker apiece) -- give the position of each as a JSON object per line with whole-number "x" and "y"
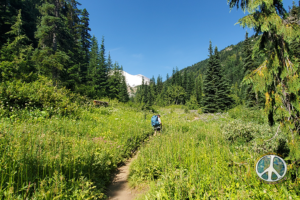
{"x": 66, "y": 156}
{"x": 56, "y": 145}
{"x": 212, "y": 156}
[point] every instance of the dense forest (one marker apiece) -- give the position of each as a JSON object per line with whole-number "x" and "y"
{"x": 52, "y": 39}
{"x": 226, "y": 111}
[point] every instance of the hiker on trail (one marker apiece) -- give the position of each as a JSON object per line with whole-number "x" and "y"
{"x": 156, "y": 123}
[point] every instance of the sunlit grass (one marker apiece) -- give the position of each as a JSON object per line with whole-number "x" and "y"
{"x": 192, "y": 160}
{"x": 67, "y": 157}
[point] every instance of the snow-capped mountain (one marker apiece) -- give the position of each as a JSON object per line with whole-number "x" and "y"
{"x": 135, "y": 80}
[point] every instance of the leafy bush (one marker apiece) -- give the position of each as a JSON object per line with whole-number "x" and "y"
{"x": 186, "y": 110}
{"x": 40, "y": 94}
{"x": 248, "y": 114}
{"x": 200, "y": 111}
{"x": 259, "y": 137}
{"x": 237, "y": 131}
{"x": 192, "y": 104}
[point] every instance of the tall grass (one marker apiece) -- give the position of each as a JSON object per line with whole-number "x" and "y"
{"x": 67, "y": 157}
{"x": 197, "y": 162}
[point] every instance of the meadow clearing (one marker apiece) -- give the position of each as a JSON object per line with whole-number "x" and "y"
{"x": 212, "y": 156}
{"x": 67, "y": 157}
{"x": 196, "y": 156}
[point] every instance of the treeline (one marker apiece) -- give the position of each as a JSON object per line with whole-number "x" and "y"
{"x": 211, "y": 89}
{"x": 52, "y": 39}
{"x": 212, "y": 92}
{"x": 179, "y": 89}
{"x": 216, "y": 84}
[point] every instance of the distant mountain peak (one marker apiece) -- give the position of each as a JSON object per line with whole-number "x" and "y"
{"x": 135, "y": 80}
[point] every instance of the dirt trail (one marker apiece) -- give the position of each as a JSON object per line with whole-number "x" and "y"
{"x": 119, "y": 189}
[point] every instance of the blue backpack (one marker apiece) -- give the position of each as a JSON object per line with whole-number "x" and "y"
{"x": 154, "y": 120}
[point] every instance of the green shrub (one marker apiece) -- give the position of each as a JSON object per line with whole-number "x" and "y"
{"x": 200, "y": 111}
{"x": 185, "y": 128}
{"x": 192, "y": 104}
{"x": 237, "y": 131}
{"x": 248, "y": 114}
{"x": 40, "y": 94}
{"x": 172, "y": 110}
{"x": 186, "y": 110}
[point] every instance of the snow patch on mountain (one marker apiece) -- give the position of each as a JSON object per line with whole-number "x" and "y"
{"x": 135, "y": 80}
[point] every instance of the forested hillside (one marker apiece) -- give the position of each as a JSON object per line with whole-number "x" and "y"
{"x": 52, "y": 39}
{"x": 186, "y": 86}
{"x": 231, "y": 59}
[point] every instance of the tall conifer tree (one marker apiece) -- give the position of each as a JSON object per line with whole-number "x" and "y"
{"x": 250, "y": 96}
{"x": 114, "y": 82}
{"x": 223, "y": 100}
{"x": 51, "y": 57}
{"x": 15, "y": 59}
{"x": 209, "y": 88}
{"x": 123, "y": 94}
{"x": 103, "y": 70}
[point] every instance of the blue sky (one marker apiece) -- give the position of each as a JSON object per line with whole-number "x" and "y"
{"x": 152, "y": 37}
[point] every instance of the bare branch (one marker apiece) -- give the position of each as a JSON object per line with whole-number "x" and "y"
{"x": 275, "y": 134}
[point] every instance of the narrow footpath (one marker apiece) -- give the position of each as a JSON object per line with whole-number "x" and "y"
{"x": 119, "y": 188}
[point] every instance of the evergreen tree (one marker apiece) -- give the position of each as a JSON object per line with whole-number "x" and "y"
{"x": 123, "y": 94}
{"x": 145, "y": 93}
{"x": 15, "y": 59}
{"x": 198, "y": 89}
{"x": 114, "y": 82}
{"x": 103, "y": 69}
{"x": 72, "y": 75}
{"x": 167, "y": 80}
{"x": 278, "y": 75}
{"x": 177, "y": 77}
{"x": 250, "y": 96}
{"x": 9, "y": 10}
{"x": 223, "y": 100}
{"x": 149, "y": 99}
{"x": 190, "y": 86}
{"x": 159, "y": 84}
{"x": 85, "y": 35}
{"x": 185, "y": 80}
{"x": 109, "y": 62}
{"x": 51, "y": 57}
{"x": 209, "y": 88}
{"x": 93, "y": 74}
{"x": 85, "y": 39}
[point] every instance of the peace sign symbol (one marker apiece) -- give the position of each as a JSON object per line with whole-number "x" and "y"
{"x": 271, "y": 168}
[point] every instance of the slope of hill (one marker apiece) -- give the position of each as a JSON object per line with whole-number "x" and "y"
{"x": 231, "y": 60}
